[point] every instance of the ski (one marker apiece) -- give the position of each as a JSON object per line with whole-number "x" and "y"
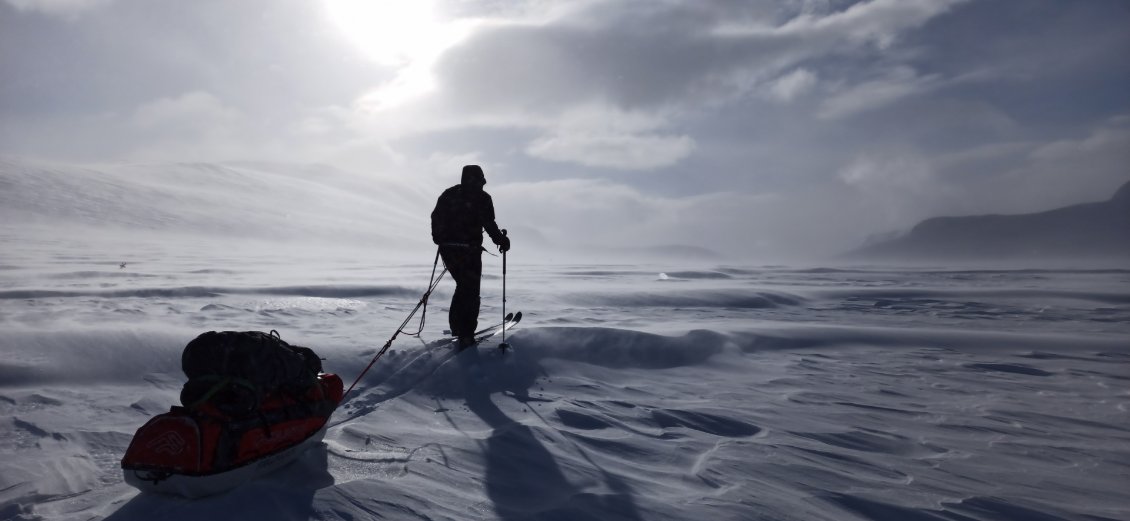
{"x": 508, "y": 322}
{"x": 507, "y": 318}
{"x": 510, "y": 317}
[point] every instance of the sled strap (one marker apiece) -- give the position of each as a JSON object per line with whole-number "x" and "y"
{"x": 423, "y": 303}
{"x": 221, "y": 383}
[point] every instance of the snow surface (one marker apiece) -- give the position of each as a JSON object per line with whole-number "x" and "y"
{"x": 729, "y": 393}
{"x": 652, "y": 391}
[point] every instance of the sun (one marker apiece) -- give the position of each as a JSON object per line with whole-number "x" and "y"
{"x": 391, "y": 32}
{"x": 408, "y": 36}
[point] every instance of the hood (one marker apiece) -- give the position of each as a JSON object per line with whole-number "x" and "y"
{"x": 473, "y": 177}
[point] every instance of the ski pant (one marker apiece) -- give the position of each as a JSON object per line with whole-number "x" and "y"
{"x": 465, "y": 263}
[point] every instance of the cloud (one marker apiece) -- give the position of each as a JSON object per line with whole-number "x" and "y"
{"x": 622, "y": 152}
{"x": 1087, "y": 167}
{"x": 878, "y": 22}
{"x": 669, "y": 61}
{"x": 792, "y": 85}
{"x": 906, "y": 185}
{"x": 584, "y": 212}
{"x": 894, "y": 85}
{"x": 606, "y": 137}
{"x": 591, "y": 214}
{"x": 1113, "y": 137}
{"x": 196, "y": 110}
{"x": 771, "y": 123}
{"x": 64, "y": 8}
{"x": 196, "y": 126}
{"x": 694, "y": 57}
{"x": 901, "y": 185}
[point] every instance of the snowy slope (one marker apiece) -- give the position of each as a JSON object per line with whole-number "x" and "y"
{"x": 272, "y": 202}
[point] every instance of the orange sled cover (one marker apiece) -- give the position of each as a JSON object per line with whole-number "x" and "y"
{"x": 201, "y": 452}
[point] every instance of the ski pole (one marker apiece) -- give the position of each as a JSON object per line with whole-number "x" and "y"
{"x": 503, "y": 345}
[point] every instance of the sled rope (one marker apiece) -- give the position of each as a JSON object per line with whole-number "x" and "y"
{"x": 423, "y": 303}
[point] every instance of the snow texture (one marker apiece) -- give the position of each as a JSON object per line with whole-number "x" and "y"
{"x": 652, "y": 391}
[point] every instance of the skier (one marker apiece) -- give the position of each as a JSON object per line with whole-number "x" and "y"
{"x": 461, "y": 214}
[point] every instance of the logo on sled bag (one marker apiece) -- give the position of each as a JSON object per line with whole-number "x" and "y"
{"x": 169, "y": 443}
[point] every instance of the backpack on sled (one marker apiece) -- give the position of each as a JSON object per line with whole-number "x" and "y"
{"x": 234, "y": 370}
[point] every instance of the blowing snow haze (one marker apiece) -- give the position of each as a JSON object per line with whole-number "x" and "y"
{"x": 678, "y": 178}
{"x": 747, "y": 130}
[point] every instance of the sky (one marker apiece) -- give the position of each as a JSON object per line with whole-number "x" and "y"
{"x": 758, "y": 129}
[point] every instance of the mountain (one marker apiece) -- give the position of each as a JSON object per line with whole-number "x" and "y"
{"x": 1090, "y": 230}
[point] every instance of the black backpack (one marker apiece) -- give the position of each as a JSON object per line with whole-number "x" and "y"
{"x": 234, "y": 370}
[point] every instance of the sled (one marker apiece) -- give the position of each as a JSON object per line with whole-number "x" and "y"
{"x": 203, "y": 451}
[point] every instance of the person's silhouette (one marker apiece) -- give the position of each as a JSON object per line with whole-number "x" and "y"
{"x": 461, "y": 214}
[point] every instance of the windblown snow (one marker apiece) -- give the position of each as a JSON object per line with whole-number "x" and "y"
{"x": 651, "y": 391}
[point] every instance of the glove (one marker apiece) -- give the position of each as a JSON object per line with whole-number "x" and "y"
{"x": 504, "y": 244}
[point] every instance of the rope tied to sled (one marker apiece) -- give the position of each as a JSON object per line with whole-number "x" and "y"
{"x": 422, "y": 304}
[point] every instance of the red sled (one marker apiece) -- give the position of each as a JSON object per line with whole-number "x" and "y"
{"x": 203, "y": 451}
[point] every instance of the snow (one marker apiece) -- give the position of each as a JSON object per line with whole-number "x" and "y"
{"x": 657, "y": 390}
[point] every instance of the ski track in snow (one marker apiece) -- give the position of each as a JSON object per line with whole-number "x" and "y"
{"x": 660, "y": 392}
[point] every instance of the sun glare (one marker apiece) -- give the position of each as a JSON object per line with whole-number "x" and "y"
{"x": 408, "y": 35}
{"x": 392, "y": 32}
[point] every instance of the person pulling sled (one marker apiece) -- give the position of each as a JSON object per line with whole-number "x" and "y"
{"x": 461, "y": 214}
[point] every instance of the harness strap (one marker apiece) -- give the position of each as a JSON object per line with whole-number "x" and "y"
{"x": 423, "y": 303}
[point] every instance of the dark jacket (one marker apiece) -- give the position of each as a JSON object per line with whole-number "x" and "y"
{"x": 461, "y": 214}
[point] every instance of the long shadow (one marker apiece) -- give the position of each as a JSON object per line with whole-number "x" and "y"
{"x": 621, "y": 503}
{"x": 287, "y": 494}
{"x": 524, "y": 480}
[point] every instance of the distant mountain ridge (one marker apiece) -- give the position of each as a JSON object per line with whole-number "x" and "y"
{"x": 1089, "y": 230}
